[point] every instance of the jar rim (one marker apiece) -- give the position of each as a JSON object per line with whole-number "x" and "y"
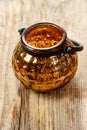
{"x": 43, "y": 51}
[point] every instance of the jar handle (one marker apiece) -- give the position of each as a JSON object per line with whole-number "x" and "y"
{"x": 21, "y": 30}
{"x": 77, "y": 47}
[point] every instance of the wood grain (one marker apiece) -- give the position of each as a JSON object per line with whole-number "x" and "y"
{"x": 24, "y": 109}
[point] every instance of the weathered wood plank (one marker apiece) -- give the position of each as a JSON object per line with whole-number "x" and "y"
{"x": 23, "y": 109}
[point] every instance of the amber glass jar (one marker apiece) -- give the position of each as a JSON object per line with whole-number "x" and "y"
{"x": 45, "y": 59}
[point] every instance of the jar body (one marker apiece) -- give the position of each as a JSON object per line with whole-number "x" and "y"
{"x": 44, "y": 73}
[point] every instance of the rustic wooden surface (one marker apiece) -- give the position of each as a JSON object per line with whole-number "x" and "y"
{"x": 23, "y": 109}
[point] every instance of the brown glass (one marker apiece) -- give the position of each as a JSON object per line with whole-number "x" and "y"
{"x": 49, "y": 66}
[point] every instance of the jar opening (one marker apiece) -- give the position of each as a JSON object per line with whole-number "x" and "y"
{"x": 43, "y": 36}
{"x": 43, "y": 39}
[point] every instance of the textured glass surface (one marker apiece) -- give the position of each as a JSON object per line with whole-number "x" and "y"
{"x": 43, "y": 73}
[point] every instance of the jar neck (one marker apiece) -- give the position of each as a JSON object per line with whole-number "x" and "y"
{"x": 44, "y": 51}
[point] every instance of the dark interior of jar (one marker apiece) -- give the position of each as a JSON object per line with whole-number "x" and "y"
{"x": 43, "y": 36}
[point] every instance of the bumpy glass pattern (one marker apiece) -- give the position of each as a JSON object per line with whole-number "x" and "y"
{"x": 43, "y": 73}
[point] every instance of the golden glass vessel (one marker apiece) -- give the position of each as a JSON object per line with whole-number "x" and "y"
{"x": 44, "y": 58}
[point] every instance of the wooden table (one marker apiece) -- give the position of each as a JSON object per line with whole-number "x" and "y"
{"x": 23, "y": 109}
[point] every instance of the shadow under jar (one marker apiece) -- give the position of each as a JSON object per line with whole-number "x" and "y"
{"x": 45, "y": 59}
